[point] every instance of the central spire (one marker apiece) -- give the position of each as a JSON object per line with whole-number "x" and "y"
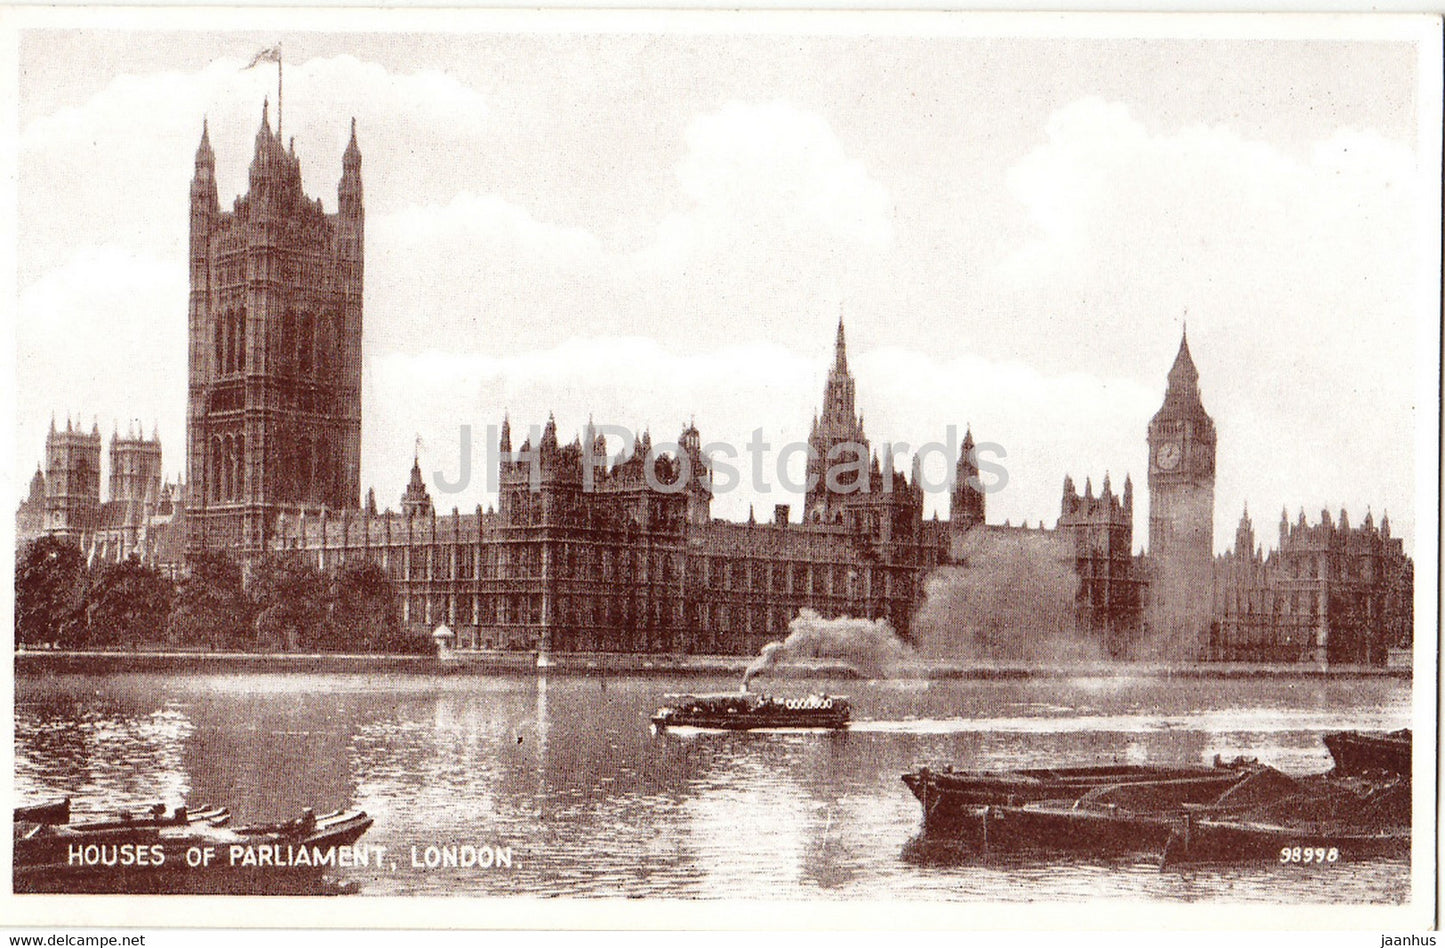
{"x": 840, "y": 351}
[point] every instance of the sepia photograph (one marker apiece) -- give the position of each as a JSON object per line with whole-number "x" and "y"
{"x": 716, "y": 470}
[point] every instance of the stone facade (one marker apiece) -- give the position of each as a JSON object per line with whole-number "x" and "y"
{"x": 273, "y": 421}
{"x": 140, "y": 517}
{"x": 590, "y": 553}
{"x": 1329, "y": 594}
{"x": 1110, "y": 591}
{"x": 72, "y": 480}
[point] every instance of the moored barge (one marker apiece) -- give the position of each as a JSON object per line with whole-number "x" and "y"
{"x": 1359, "y": 752}
{"x": 949, "y": 796}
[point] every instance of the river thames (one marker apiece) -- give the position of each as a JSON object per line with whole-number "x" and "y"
{"x": 565, "y": 776}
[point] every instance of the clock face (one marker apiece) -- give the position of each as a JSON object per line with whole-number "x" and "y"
{"x": 1169, "y": 455}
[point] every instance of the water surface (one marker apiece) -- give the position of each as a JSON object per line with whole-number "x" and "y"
{"x": 566, "y": 773}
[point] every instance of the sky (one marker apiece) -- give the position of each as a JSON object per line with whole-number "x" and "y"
{"x": 651, "y": 226}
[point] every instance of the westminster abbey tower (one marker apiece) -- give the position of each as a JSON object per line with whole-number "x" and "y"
{"x": 273, "y": 419}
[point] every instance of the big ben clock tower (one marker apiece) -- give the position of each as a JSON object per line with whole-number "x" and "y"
{"x": 1181, "y": 516}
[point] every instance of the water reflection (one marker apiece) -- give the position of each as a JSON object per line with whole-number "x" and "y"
{"x": 570, "y": 777}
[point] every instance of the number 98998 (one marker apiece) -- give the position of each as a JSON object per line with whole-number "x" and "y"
{"x": 1307, "y": 855}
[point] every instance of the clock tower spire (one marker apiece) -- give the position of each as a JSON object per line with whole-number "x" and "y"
{"x": 1181, "y": 515}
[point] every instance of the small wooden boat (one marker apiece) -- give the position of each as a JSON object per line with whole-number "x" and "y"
{"x": 156, "y": 816}
{"x": 165, "y": 858}
{"x": 742, "y": 711}
{"x": 39, "y": 843}
{"x": 1357, "y": 752}
{"x": 55, "y": 811}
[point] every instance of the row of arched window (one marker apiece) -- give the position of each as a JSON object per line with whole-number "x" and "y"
{"x": 305, "y": 475}
{"x": 306, "y": 470}
{"x": 304, "y": 343}
{"x": 226, "y": 467}
{"x": 231, "y": 341}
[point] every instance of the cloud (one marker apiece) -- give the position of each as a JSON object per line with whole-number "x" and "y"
{"x": 771, "y": 216}
{"x": 117, "y": 167}
{"x": 1297, "y": 269}
{"x": 906, "y": 396}
{"x": 772, "y": 178}
{"x": 102, "y": 336}
{"x": 1297, "y": 265}
{"x": 1244, "y": 234}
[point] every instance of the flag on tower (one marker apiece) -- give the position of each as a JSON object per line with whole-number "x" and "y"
{"x": 271, "y": 54}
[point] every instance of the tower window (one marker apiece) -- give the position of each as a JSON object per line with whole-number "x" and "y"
{"x": 304, "y": 344}
{"x": 220, "y": 349}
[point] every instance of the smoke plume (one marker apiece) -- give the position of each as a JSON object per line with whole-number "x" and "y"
{"x": 1011, "y": 598}
{"x": 868, "y": 646}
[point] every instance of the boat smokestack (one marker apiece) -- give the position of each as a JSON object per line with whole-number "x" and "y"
{"x": 766, "y": 659}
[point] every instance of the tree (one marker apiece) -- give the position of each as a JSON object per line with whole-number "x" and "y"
{"x": 290, "y": 599}
{"x": 364, "y": 613}
{"x": 127, "y": 604}
{"x": 211, "y": 607}
{"x": 49, "y": 590}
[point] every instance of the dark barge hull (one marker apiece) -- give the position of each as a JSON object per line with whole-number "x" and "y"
{"x": 950, "y": 799}
{"x": 1357, "y": 752}
{"x": 1223, "y": 841}
{"x": 1062, "y": 827}
{"x": 57, "y": 811}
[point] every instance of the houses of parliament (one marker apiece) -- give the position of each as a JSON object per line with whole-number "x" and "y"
{"x": 584, "y": 553}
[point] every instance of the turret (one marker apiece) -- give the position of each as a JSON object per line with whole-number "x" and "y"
{"x": 268, "y": 160}
{"x": 348, "y": 192}
{"x": 1244, "y": 534}
{"x": 205, "y": 206}
{"x": 416, "y": 499}
{"x": 966, "y": 503}
{"x": 699, "y": 484}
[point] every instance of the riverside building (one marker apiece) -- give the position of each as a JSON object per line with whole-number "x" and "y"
{"x": 584, "y": 552}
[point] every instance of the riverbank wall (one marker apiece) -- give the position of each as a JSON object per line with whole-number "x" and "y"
{"x": 51, "y": 662}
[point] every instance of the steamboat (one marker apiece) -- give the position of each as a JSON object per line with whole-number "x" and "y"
{"x": 745, "y": 711}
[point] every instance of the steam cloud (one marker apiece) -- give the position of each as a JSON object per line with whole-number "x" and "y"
{"x": 868, "y": 646}
{"x": 1011, "y": 599}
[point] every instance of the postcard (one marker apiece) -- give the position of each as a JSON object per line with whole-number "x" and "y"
{"x": 696, "y": 470}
